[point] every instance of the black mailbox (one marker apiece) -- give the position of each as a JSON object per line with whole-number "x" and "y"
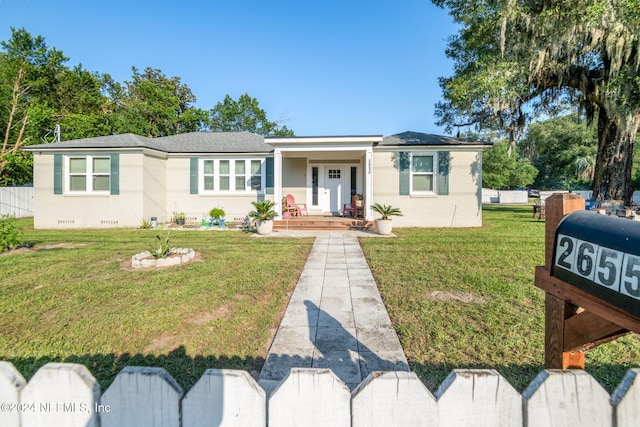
{"x": 601, "y": 255}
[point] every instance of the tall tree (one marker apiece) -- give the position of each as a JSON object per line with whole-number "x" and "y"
{"x": 510, "y": 54}
{"x": 29, "y": 71}
{"x": 502, "y": 170}
{"x": 153, "y": 105}
{"x": 564, "y": 151}
{"x": 244, "y": 114}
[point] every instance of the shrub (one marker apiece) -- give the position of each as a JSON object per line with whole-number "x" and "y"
{"x": 10, "y": 235}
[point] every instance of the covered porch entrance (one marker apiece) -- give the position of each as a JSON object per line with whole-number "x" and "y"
{"x": 324, "y": 173}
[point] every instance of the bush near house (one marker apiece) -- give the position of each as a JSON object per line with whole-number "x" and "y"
{"x": 10, "y": 235}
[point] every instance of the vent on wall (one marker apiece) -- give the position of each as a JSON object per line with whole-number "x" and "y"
{"x": 65, "y": 221}
{"x": 108, "y": 222}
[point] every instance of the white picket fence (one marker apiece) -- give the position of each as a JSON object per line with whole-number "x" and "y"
{"x": 16, "y": 201}
{"x": 64, "y": 394}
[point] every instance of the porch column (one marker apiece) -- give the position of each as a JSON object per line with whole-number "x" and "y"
{"x": 368, "y": 184}
{"x": 277, "y": 181}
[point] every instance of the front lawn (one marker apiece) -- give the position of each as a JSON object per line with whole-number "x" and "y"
{"x": 465, "y": 298}
{"x": 459, "y": 298}
{"x": 73, "y": 299}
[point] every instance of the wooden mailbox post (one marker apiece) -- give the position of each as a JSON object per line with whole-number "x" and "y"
{"x": 576, "y": 318}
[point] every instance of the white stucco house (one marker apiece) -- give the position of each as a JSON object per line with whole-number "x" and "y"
{"x": 118, "y": 180}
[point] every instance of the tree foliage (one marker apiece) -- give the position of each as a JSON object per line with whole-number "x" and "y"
{"x": 38, "y": 92}
{"x": 153, "y": 105}
{"x": 504, "y": 170}
{"x": 244, "y": 114}
{"x": 28, "y": 73}
{"x": 517, "y": 57}
{"x": 564, "y": 151}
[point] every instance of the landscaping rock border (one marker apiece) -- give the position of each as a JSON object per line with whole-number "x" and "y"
{"x": 177, "y": 256}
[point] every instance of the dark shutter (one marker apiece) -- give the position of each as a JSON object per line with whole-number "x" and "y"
{"x": 115, "y": 173}
{"x": 268, "y": 170}
{"x": 193, "y": 176}
{"x": 443, "y": 172}
{"x": 57, "y": 174}
{"x": 405, "y": 175}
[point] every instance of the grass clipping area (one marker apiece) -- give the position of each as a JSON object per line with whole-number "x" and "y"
{"x": 465, "y": 298}
{"x": 72, "y": 299}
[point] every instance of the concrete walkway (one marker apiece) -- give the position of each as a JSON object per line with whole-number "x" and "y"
{"x": 335, "y": 318}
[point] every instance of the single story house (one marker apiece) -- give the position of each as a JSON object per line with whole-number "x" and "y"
{"x": 119, "y": 180}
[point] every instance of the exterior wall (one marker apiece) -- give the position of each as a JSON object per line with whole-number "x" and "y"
{"x": 154, "y": 178}
{"x": 197, "y": 206}
{"x": 88, "y": 211}
{"x": 294, "y": 178}
{"x": 462, "y": 207}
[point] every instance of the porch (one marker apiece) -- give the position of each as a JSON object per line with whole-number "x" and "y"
{"x": 324, "y": 173}
{"x": 323, "y": 222}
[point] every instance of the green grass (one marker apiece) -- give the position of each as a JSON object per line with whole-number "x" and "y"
{"x": 74, "y": 300}
{"x": 459, "y": 298}
{"x": 465, "y": 298}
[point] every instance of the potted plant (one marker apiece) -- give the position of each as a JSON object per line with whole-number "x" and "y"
{"x": 217, "y": 217}
{"x": 358, "y": 199}
{"x": 383, "y": 224}
{"x": 263, "y": 216}
{"x": 179, "y": 217}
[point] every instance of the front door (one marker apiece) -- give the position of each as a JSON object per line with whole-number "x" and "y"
{"x": 334, "y": 188}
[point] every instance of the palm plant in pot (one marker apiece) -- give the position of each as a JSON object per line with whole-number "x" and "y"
{"x": 384, "y": 224}
{"x": 263, "y": 216}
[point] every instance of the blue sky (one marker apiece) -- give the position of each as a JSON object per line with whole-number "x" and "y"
{"x": 329, "y": 67}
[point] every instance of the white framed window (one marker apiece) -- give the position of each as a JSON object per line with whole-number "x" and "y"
{"x": 88, "y": 174}
{"x": 423, "y": 173}
{"x": 231, "y": 176}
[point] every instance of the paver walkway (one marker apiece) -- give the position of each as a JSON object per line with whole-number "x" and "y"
{"x": 335, "y": 318}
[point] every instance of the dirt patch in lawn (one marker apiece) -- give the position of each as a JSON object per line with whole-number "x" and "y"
{"x": 223, "y": 312}
{"x": 460, "y": 296}
{"x": 29, "y": 249}
{"x": 160, "y": 343}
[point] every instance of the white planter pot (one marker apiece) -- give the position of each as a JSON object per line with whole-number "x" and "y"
{"x": 384, "y": 226}
{"x": 264, "y": 227}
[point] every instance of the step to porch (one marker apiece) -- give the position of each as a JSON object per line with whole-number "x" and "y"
{"x": 323, "y": 223}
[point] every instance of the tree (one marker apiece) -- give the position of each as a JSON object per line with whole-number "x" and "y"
{"x": 511, "y": 55}
{"x": 28, "y": 74}
{"x": 244, "y": 114}
{"x": 564, "y": 151}
{"x": 501, "y": 170}
{"x": 153, "y": 105}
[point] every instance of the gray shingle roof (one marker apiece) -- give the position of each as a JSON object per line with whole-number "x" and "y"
{"x": 194, "y": 142}
{"x": 418, "y": 138}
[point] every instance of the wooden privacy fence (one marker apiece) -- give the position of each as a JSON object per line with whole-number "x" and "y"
{"x": 16, "y": 201}
{"x": 65, "y": 394}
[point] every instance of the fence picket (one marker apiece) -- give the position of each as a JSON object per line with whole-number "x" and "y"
{"x": 310, "y": 397}
{"x": 393, "y": 399}
{"x": 566, "y": 398}
{"x": 224, "y": 397}
{"x": 66, "y": 394}
{"x": 11, "y": 383}
{"x": 142, "y": 396}
{"x": 470, "y": 397}
{"x": 626, "y": 400}
{"x": 60, "y": 394}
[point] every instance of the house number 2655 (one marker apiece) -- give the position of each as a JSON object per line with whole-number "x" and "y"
{"x": 604, "y": 266}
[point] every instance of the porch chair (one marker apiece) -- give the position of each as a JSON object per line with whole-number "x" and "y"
{"x": 296, "y": 208}
{"x": 350, "y": 207}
